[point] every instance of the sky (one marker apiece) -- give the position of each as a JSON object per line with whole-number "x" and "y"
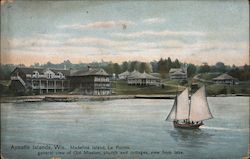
{"x": 117, "y": 31}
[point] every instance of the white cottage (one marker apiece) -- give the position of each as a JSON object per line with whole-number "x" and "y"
{"x": 124, "y": 75}
{"x": 137, "y": 78}
{"x": 225, "y": 79}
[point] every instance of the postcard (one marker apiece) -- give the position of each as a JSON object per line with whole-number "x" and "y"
{"x": 124, "y": 79}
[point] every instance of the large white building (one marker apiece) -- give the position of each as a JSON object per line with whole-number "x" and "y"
{"x": 178, "y": 73}
{"x": 39, "y": 80}
{"x": 142, "y": 79}
{"x": 45, "y": 80}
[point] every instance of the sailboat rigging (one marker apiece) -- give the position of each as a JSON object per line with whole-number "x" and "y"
{"x": 190, "y": 115}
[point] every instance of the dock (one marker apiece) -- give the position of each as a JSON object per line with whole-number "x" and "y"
{"x": 155, "y": 96}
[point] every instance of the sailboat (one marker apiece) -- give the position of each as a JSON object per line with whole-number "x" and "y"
{"x": 190, "y": 114}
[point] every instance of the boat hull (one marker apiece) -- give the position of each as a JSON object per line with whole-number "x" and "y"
{"x": 187, "y": 126}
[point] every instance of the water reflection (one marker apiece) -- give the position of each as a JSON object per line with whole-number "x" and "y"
{"x": 192, "y": 137}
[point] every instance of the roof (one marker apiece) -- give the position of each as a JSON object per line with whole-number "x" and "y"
{"x": 173, "y": 70}
{"x": 178, "y": 73}
{"x": 90, "y": 72}
{"x": 223, "y": 77}
{"x": 30, "y": 70}
{"x": 135, "y": 74}
{"x": 126, "y": 73}
{"x": 155, "y": 74}
{"x": 145, "y": 75}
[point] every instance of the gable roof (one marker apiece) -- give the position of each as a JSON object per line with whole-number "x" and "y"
{"x": 173, "y": 70}
{"x": 64, "y": 72}
{"x": 137, "y": 75}
{"x": 126, "y": 73}
{"x": 223, "y": 77}
{"x": 178, "y": 73}
{"x": 148, "y": 76}
{"x": 90, "y": 72}
{"x": 30, "y": 70}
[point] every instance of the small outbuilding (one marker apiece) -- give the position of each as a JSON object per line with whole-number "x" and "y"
{"x": 225, "y": 79}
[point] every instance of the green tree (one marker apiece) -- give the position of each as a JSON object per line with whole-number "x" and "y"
{"x": 134, "y": 65}
{"x": 220, "y": 67}
{"x": 109, "y": 68}
{"x": 204, "y": 68}
{"x": 191, "y": 70}
{"x": 154, "y": 65}
{"x": 162, "y": 67}
{"x": 125, "y": 66}
{"x": 176, "y": 64}
{"x": 117, "y": 68}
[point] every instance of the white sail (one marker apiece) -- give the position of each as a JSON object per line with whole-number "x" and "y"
{"x": 199, "y": 109}
{"x": 182, "y": 106}
{"x": 171, "y": 115}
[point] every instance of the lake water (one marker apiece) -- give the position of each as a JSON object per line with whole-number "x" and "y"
{"x": 136, "y": 126}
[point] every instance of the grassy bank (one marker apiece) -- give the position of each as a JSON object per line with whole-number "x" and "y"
{"x": 217, "y": 89}
{"x": 168, "y": 87}
{"x": 122, "y": 88}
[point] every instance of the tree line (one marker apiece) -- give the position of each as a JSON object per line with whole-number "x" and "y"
{"x": 162, "y": 66}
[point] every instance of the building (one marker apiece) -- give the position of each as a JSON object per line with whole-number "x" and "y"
{"x": 156, "y": 74}
{"x": 39, "y": 80}
{"x": 91, "y": 82}
{"x": 142, "y": 79}
{"x": 124, "y": 75}
{"x": 225, "y": 79}
{"x": 178, "y": 73}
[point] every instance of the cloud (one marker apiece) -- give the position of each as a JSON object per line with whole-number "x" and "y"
{"x": 6, "y": 1}
{"x": 24, "y": 43}
{"x": 51, "y": 36}
{"x": 99, "y": 25}
{"x": 96, "y": 48}
{"x": 154, "y": 20}
{"x": 158, "y": 34}
{"x": 37, "y": 40}
{"x": 91, "y": 41}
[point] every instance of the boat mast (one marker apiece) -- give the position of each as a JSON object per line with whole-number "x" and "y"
{"x": 207, "y": 102}
{"x": 189, "y": 107}
{"x": 176, "y": 101}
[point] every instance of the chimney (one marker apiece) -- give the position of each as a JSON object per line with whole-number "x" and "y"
{"x": 89, "y": 68}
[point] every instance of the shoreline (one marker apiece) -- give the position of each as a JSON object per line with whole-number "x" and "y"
{"x": 76, "y": 98}
{"x": 61, "y": 98}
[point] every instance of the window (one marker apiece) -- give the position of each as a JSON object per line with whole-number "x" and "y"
{"x": 35, "y": 74}
{"x": 49, "y": 75}
{"x": 60, "y": 75}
